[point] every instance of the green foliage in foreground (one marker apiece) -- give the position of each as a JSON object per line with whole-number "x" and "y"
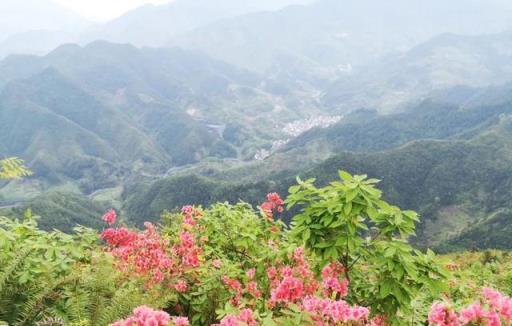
{"x": 12, "y": 168}
{"x": 47, "y": 276}
{"x": 52, "y": 278}
{"x": 347, "y": 221}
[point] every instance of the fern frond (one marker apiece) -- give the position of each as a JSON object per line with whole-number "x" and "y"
{"x": 38, "y": 303}
{"x": 13, "y": 168}
{"x": 12, "y": 267}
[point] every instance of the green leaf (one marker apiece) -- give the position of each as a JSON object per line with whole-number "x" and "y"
{"x": 344, "y": 175}
{"x": 306, "y": 235}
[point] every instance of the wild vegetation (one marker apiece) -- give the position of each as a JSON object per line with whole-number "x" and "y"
{"x": 344, "y": 260}
{"x": 142, "y": 201}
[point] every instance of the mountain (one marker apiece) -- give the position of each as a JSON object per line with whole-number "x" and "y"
{"x": 330, "y": 37}
{"x": 35, "y": 15}
{"x": 126, "y": 112}
{"x": 366, "y": 130}
{"x": 450, "y": 163}
{"x": 154, "y": 25}
{"x": 455, "y": 185}
{"x": 72, "y": 131}
{"x": 443, "y": 62}
{"x": 461, "y": 188}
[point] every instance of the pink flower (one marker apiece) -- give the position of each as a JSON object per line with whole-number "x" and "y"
{"x": 336, "y": 286}
{"x": 245, "y": 317}
{"x": 252, "y": 288}
{"x": 181, "y": 286}
{"x": 188, "y": 250}
{"x": 229, "y": 320}
{"x": 441, "y": 315}
{"x": 187, "y": 210}
{"x": 250, "y": 273}
{"x": 217, "y": 263}
{"x": 492, "y": 319}
{"x": 271, "y": 272}
{"x": 110, "y": 217}
{"x": 273, "y": 203}
{"x": 499, "y": 302}
{"x": 145, "y": 316}
{"x": 181, "y": 321}
{"x": 378, "y": 321}
{"x": 331, "y": 275}
{"x": 506, "y": 309}
{"x": 233, "y": 284}
{"x": 472, "y": 313}
{"x": 330, "y": 312}
{"x": 290, "y": 289}
{"x": 143, "y": 253}
{"x": 493, "y": 296}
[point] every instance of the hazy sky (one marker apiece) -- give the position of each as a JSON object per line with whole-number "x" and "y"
{"x": 102, "y": 10}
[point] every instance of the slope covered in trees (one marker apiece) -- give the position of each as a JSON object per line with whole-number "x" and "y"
{"x": 455, "y": 184}
{"x": 128, "y": 112}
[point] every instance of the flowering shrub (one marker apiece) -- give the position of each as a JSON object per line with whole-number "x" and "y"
{"x": 344, "y": 260}
{"x": 145, "y": 316}
{"x": 347, "y": 221}
{"x": 228, "y": 265}
{"x": 143, "y": 253}
{"x": 493, "y": 309}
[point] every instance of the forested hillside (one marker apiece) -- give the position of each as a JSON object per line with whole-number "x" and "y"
{"x": 92, "y": 126}
{"x": 256, "y": 163}
{"x": 451, "y": 164}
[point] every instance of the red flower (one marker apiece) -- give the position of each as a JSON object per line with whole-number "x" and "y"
{"x": 110, "y": 217}
{"x": 273, "y": 203}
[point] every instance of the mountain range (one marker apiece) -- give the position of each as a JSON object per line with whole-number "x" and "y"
{"x": 450, "y": 163}
{"x": 126, "y": 111}
{"x": 222, "y": 100}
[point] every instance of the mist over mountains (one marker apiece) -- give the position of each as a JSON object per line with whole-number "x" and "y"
{"x": 17, "y": 17}
{"x": 219, "y": 100}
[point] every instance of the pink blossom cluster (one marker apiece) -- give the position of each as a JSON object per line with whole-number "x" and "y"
{"x": 190, "y": 215}
{"x": 296, "y": 283}
{"x": 109, "y": 217}
{"x": 331, "y": 312}
{"x": 141, "y": 252}
{"x": 495, "y": 309}
{"x": 441, "y": 315}
{"x": 245, "y": 318}
{"x": 181, "y": 286}
{"x": 331, "y": 275}
{"x": 273, "y": 203}
{"x": 500, "y": 303}
{"x": 118, "y": 237}
{"x": 291, "y": 283}
{"x": 145, "y": 316}
{"x": 235, "y": 286}
{"x": 187, "y": 250}
{"x": 146, "y": 253}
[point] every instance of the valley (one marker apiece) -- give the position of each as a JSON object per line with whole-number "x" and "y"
{"x": 130, "y": 125}
{"x": 255, "y": 163}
